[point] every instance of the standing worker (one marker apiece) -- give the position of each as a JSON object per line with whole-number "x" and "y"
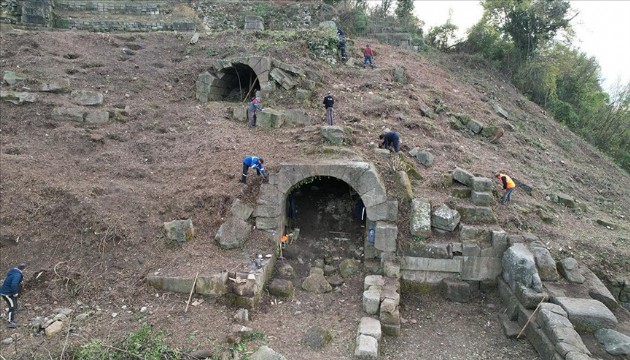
{"x": 253, "y": 162}
{"x": 390, "y": 139}
{"x": 368, "y": 56}
{"x": 253, "y": 107}
{"x": 329, "y": 101}
{"x": 508, "y": 185}
{"x": 342, "y": 45}
{"x": 10, "y": 290}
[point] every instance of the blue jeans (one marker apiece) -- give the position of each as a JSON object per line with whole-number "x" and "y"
{"x": 367, "y": 59}
{"x": 507, "y": 197}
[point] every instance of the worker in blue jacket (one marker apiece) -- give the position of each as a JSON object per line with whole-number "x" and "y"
{"x": 253, "y": 162}
{"x": 10, "y": 290}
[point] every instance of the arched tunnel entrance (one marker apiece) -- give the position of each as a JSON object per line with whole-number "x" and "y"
{"x": 330, "y": 217}
{"x": 239, "y": 82}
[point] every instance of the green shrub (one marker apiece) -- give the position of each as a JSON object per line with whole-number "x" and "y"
{"x": 141, "y": 344}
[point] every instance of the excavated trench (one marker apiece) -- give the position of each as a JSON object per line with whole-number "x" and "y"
{"x": 331, "y": 221}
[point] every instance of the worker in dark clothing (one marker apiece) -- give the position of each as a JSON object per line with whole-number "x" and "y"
{"x": 342, "y": 45}
{"x": 390, "y": 139}
{"x": 508, "y": 185}
{"x": 253, "y": 162}
{"x": 329, "y": 101}
{"x": 253, "y": 107}
{"x": 10, "y": 290}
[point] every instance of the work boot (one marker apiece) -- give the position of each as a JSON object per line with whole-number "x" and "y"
{"x": 11, "y": 325}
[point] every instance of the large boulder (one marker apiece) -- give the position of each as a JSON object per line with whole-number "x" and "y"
{"x": 333, "y": 134}
{"x": 614, "y": 342}
{"x": 519, "y": 268}
{"x": 587, "y": 315}
{"x": 86, "y": 97}
{"x": 266, "y": 353}
{"x": 240, "y": 210}
{"x": 349, "y": 267}
{"x": 569, "y": 268}
{"x": 445, "y": 218}
{"x": 316, "y": 337}
{"x": 270, "y": 118}
{"x": 316, "y": 283}
{"x": 545, "y": 263}
{"x": 283, "y": 78}
{"x": 462, "y": 176}
{"x": 281, "y": 288}
{"x": 232, "y": 233}
{"x": 179, "y": 230}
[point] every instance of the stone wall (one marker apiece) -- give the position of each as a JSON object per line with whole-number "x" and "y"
{"x": 116, "y": 25}
{"x": 476, "y": 260}
{"x": 115, "y": 7}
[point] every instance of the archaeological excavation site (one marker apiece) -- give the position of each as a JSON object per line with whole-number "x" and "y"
{"x": 124, "y": 128}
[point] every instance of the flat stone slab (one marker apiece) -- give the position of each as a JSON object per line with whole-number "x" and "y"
{"x": 587, "y": 315}
{"x": 511, "y": 329}
{"x": 370, "y": 327}
{"x": 367, "y": 347}
{"x": 613, "y": 341}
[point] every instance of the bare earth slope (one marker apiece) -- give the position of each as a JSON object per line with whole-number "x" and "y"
{"x": 85, "y": 204}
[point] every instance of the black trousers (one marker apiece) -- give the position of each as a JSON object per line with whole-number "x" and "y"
{"x": 12, "y": 302}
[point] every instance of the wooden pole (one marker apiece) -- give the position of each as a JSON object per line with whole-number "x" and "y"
{"x": 191, "y": 292}
{"x": 531, "y": 316}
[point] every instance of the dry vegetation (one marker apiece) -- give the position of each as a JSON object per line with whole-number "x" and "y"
{"x": 84, "y": 205}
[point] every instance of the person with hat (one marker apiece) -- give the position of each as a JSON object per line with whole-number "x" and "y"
{"x": 253, "y": 162}
{"x": 10, "y": 290}
{"x": 508, "y": 185}
{"x": 253, "y": 107}
{"x": 329, "y": 101}
{"x": 368, "y": 56}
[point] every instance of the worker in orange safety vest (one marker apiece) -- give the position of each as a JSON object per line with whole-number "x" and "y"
{"x": 508, "y": 185}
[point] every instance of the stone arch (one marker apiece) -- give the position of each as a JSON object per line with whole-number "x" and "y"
{"x": 240, "y": 74}
{"x": 361, "y": 176}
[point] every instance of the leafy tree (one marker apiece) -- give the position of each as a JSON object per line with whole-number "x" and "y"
{"x": 487, "y": 41}
{"x": 528, "y": 23}
{"x": 442, "y": 36}
{"x": 383, "y": 9}
{"x": 404, "y": 11}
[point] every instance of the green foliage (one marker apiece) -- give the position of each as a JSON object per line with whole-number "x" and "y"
{"x": 323, "y": 42}
{"x": 404, "y": 10}
{"x": 529, "y": 23}
{"x": 442, "y": 36}
{"x": 563, "y": 112}
{"x": 263, "y": 9}
{"x": 141, "y": 344}
{"x": 93, "y": 350}
{"x": 354, "y": 21}
{"x": 487, "y": 41}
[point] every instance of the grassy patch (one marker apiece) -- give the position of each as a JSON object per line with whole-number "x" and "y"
{"x": 141, "y": 344}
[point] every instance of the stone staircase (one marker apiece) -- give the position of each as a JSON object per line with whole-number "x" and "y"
{"x": 381, "y": 297}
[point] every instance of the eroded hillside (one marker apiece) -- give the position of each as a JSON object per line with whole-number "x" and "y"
{"x": 83, "y": 204}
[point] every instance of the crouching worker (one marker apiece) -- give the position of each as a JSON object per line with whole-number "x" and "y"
{"x": 253, "y": 162}
{"x": 508, "y": 186}
{"x": 390, "y": 139}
